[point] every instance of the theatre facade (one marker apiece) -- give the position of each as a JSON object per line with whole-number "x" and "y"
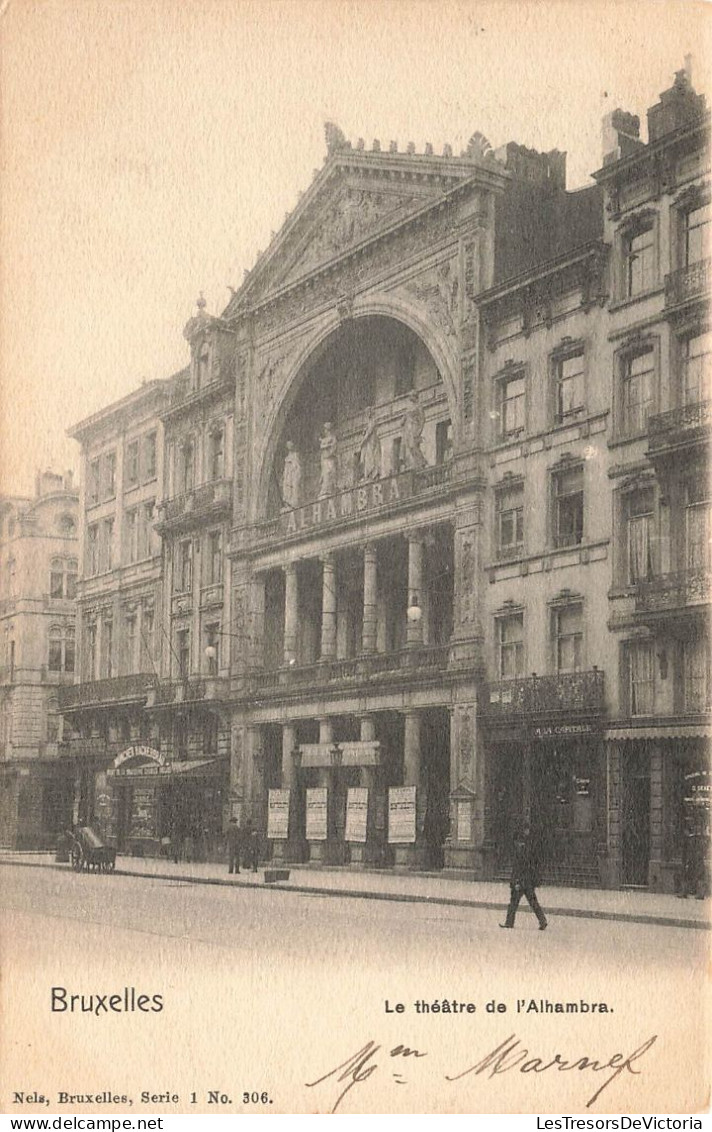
{"x": 374, "y": 560}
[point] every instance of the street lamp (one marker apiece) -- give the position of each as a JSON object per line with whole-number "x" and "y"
{"x": 414, "y": 612}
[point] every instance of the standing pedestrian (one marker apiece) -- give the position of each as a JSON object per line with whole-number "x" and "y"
{"x": 250, "y": 842}
{"x": 525, "y": 877}
{"x": 233, "y": 846}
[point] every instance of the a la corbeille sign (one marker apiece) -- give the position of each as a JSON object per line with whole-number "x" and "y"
{"x": 139, "y": 751}
{"x": 347, "y": 504}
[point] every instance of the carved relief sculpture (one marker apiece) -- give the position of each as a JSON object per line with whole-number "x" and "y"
{"x": 328, "y": 445}
{"x": 370, "y": 451}
{"x": 291, "y": 477}
{"x": 412, "y": 425}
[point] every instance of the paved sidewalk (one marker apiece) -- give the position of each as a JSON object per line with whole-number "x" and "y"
{"x": 430, "y": 888}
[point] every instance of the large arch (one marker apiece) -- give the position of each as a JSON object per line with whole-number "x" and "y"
{"x": 388, "y": 307}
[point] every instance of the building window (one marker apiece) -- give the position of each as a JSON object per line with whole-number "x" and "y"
{"x": 109, "y": 475}
{"x": 216, "y": 454}
{"x": 510, "y": 407}
{"x": 443, "y": 442}
{"x": 106, "y": 555}
{"x": 186, "y": 474}
{"x": 147, "y": 630}
{"x": 183, "y": 642}
{"x": 696, "y": 672}
{"x": 510, "y": 646}
{"x": 184, "y": 577}
{"x": 696, "y": 354}
{"x": 130, "y": 642}
{"x": 642, "y": 542}
{"x": 91, "y": 650}
{"x": 107, "y": 648}
{"x": 568, "y": 507}
{"x": 637, "y": 392}
{"x": 180, "y": 738}
{"x": 568, "y": 638}
{"x": 568, "y": 391}
{"x": 210, "y": 735}
{"x": 510, "y": 521}
{"x": 63, "y": 578}
{"x": 698, "y": 524}
{"x": 132, "y": 464}
{"x": 94, "y": 479}
{"x": 61, "y": 649}
{"x": 93, "y": 549}
{"x": 149, "y": 456}
{"x": 641, "y": 663}
{"x": 639, "y": 255}
{"x": 131, "y": 534}
{"x": 696, "y": 234}
{"x": 202, "y": 372}
{"x": 215, "y": 558}
{"x": 212, "y": 648}
{"x": 56, "y": 578}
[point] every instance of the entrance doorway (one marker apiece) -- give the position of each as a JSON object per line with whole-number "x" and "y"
{"x": 635, "y": 820}
{"x": 435, "y": 753}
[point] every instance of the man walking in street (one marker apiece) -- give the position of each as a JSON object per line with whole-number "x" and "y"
{"x": 525, "y": 877}
{"x": 234, "y": 841}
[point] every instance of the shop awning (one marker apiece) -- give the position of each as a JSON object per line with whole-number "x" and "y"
{"x": 692, "y": 731}
{"x": 186, "y": 768}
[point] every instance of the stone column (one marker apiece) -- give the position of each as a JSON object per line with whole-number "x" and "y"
{"x": 293, "y": 848}
{"x": 370, "y": 596}
{"x": 369, "y": 852}
{"x": 328, "y": 607}
{"x": 291, "y": 612}
{"x": 413, "y": 854}
{"x": 257, "y": 620}
{"x": 414, "y": 629}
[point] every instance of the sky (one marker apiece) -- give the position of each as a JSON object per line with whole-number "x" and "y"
{"x": 150, "y": 147}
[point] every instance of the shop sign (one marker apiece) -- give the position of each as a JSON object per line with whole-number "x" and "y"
{"x": 317, "y": 800}
{"x": 698, "y": 791}
{"x": 317, "y": 754}
{"x": 347, "y": 504}
{"x": 356, "y": 814}
{"x": 562, "y": 729}
{"x": 151, "y": 769}
{"x": 401, "y": 815}
{"x": 278, "y": 815}
{"x": 139, "y": 751}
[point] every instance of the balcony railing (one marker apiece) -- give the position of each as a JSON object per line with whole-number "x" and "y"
{"x": 205, "y": 500}
{"x": 117, "y": 689}
{"x": 567, "y": 693}
{"x": 674, "y": 591}
{"x": 687, "y": 283}
{"x": 427, "y": 657}
{"x": 686, "y": 417}
{"x": 190, "y": 690}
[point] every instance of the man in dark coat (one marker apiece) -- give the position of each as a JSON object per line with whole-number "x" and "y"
{"x": 234, "y": 844}
{"x": 525, "y": 877}
{"x": 250, "y": 846}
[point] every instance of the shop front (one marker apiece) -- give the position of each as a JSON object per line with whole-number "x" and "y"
{"x": 549, "y": 778}
{"x": 145, "y": 804}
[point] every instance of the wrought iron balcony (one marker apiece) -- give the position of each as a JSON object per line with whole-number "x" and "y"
{"x": 208, "y": 501}
{"x": 191, "y": 690}
{"x": 674, "y": 591}
{"x": 678, "y": 424}
{"x": 687, "y": 283}
{"x": 98, "y": 693}
{"x": 566, "y": 693}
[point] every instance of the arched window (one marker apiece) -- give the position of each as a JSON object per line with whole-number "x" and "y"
{"x": 63, "y": 578}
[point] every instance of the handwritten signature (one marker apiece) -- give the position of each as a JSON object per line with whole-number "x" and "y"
{"x": 509, "y": 1055}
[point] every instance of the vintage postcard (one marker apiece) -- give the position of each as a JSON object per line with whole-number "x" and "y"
{"x": 355, "y": 558}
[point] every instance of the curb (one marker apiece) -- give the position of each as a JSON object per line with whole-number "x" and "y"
{"x": 398, "y": 897}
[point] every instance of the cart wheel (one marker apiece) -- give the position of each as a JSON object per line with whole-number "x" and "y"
{"x": 77, "y": 859}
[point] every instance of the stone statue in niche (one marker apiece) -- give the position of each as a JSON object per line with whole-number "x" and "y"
{"x": 370, "y": 451}
{"x": 412, "y": 425}
{"x": 291, "y": 477}
{"x": 328, "y": 445}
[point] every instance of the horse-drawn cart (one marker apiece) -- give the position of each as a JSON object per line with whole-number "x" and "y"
{"x": 88, "y": 851}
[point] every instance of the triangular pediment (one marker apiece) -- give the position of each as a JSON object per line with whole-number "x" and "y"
{"x": 355, "y": 197}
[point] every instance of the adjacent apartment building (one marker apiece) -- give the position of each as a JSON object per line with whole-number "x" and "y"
{"x": 416, "y": 549}
{"x": 38, "y": 578}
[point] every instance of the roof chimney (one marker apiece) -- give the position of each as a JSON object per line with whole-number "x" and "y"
{"x": 620, "y": 135}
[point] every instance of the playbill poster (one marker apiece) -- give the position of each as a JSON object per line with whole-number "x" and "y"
{"x": 355, "y": 447}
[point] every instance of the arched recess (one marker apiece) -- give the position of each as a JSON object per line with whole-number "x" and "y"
{"x": 434, "y": 342}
